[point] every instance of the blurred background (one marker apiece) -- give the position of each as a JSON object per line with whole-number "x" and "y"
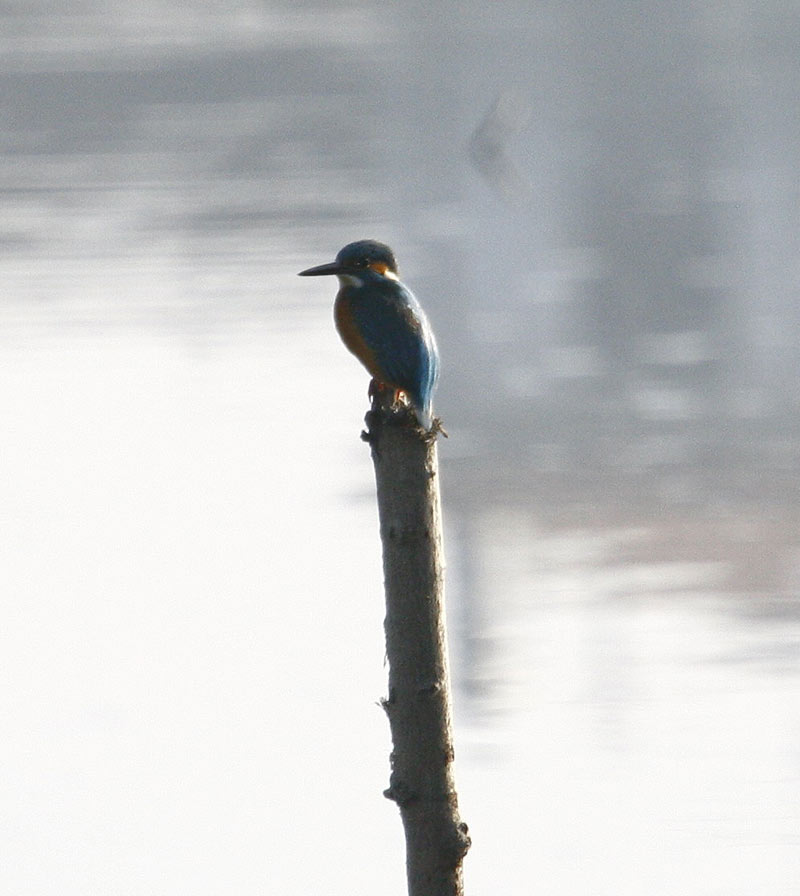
{"x": 598, "y": 205}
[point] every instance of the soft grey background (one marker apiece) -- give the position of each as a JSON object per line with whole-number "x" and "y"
{"x": 598, "y": 205}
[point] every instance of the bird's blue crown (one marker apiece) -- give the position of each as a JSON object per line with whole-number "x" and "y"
{"x": 367, "y": 254}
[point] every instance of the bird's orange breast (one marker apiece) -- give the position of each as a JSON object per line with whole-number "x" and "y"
{"x": 351, "y": 336}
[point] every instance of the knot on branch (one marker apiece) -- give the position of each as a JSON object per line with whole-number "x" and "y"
{"x": 408, "y": 534}
{"x": 429, "y": 689}
{"x": 400, "y": 792}
{"x": 388, "y": 703}
{"x": 458, "y": 843}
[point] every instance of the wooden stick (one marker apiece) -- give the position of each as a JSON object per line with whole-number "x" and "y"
{"x": 418, "y": 704}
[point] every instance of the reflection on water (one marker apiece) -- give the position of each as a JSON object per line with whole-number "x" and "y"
{"x": 193, "y": 638}
{"x": 641, "y": 717}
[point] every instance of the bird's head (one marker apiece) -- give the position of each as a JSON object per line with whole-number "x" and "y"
{"x": 357, "y": 259}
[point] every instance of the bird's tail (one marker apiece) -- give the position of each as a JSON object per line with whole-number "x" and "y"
{"x": 424, "y": 415}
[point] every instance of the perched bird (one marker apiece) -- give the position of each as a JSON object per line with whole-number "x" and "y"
{"x": 383, "y": 325}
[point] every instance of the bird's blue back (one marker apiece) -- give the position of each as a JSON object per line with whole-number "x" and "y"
{"x": 396, "y": 330}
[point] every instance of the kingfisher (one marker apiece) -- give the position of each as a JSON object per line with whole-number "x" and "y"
{"x": 383, "y": 325}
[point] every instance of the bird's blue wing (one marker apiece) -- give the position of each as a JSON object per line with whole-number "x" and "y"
{"x": 394, "y": 327}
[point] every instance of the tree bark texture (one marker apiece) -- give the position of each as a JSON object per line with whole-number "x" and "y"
{"x": 418, "y": 702}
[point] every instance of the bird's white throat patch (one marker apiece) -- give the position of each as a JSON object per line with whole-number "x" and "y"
{"x": 350, "y": 280}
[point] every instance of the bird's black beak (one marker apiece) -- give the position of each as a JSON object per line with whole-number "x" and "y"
{"x": 322, "y": 270}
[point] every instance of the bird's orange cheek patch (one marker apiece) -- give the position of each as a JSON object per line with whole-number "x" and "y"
{"x": 383, "y": 269}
